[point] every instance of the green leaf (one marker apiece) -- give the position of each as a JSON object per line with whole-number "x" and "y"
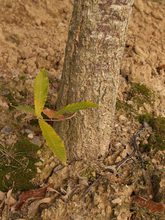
{"x": 41, "y": 85}
{"x": 25, "y": 108}
{"x": 54, "y": 142}
{"x": 74, "y": 107}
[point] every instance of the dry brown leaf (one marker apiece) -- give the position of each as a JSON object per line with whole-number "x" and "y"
{"x": 53, "y": 114}
{"x": 31, "y": 194}
{"x": 149, "y": 204}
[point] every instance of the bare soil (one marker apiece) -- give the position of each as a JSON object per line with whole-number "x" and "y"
{"x": 33, "y": 35}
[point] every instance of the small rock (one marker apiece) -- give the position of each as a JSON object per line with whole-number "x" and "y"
{"x": 39, "y": 164}
{"x": 117, "y": 201}
{"x": 38, "y": 170}
{"x": 39, "y": 152}
{"x": 36, "y": 140}
{"x": 118, "y": 144}
{"x": 122, "y": 118}
{"x": 38, "y": 21}
{"x": 27, "y": 131}
{"x": 130, "y": 102}
{"x": 84, "y": 182}
{"x": 30, "y": 136}
{"x": 3, "y": 104}
{"x": 52, "y": 164}
{"x": 118, "y": 159}
{"x": 154, "y": 161}
{"x": 139, "y": 5}
{"x": 156, "y": 14}
{"x": 124, "y": 129}
{"x": 6, "y": 130}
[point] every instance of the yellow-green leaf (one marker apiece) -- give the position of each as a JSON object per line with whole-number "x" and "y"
{"x": 74, "y": 107}
{"x": 25, "y": 108}
{"x": 53, "y": 140}
{"x": 41, "y": 85}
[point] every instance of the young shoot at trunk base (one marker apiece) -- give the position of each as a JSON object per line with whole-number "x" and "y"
{"x": 53, "y": 140}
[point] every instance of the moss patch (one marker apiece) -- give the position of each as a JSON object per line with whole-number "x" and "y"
{"x": 140, "y": 94}
{"x": 157, "y": 139}
{"x": 17, "y": 166}
{"x": 124, "y": 106}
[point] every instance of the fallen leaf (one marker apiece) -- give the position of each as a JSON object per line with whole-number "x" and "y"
{"x": 10, "y": 201}
{"x": 33, "y": 208}
{"x": 53, "y": 114}
{"x": 31, "y": 194}
{"x": 149, "y": 204}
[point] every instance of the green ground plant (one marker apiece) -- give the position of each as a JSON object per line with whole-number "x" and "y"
{"x": 53, "y": 140}
{"x": 140, "y": 94}
{"x": 17, "y": 165}
{"x": 157, "y": 139}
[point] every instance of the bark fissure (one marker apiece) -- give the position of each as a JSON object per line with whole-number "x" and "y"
{"x": 92, "y": 61}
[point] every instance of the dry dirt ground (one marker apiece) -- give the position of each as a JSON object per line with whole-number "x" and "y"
{"x": 33, "y": 35}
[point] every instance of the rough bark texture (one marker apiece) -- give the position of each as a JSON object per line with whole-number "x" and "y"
{"x": 91, "y": 68}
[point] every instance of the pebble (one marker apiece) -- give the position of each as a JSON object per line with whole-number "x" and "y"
{"x": 83, "y": 181}
{"x": 116, "y": 125}
{"x": 39, "y": 164}
{"x": 52, "y": 164}
{"x": 38, "y": 170}
{"x": 30, "y": 136}
{"x": 38, "y": 21}
{"x": 122, "y": 118}
{"x": 4, "y": 104}
{"x": 139, "y": 5}
{"x": 27, "y": 131}
{"x": 117, "y": 201}
{"x": 36, "y": 140}
{"x": 125, "y": 129}
{"x": 129, "y": 102}
{"x": 6, "y": 130}
{"x": 118, "y": 159}
{"x": 118, "y": 144}
{"x": 154, "y": 161}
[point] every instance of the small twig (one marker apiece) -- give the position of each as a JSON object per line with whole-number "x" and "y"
{"x": 71, "y": 194}
{"x": 133, "y": 144}
{"x": 54, "y": 171}
{"x": 125, "y": 160}
{"x": 90, "y": 186}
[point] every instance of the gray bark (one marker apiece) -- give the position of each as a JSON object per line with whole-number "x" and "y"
{"x": 92, "y": 63}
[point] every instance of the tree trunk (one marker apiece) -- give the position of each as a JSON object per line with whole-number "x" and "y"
{"x": 91, "y": 68}
{"x": 92, "y": 63}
